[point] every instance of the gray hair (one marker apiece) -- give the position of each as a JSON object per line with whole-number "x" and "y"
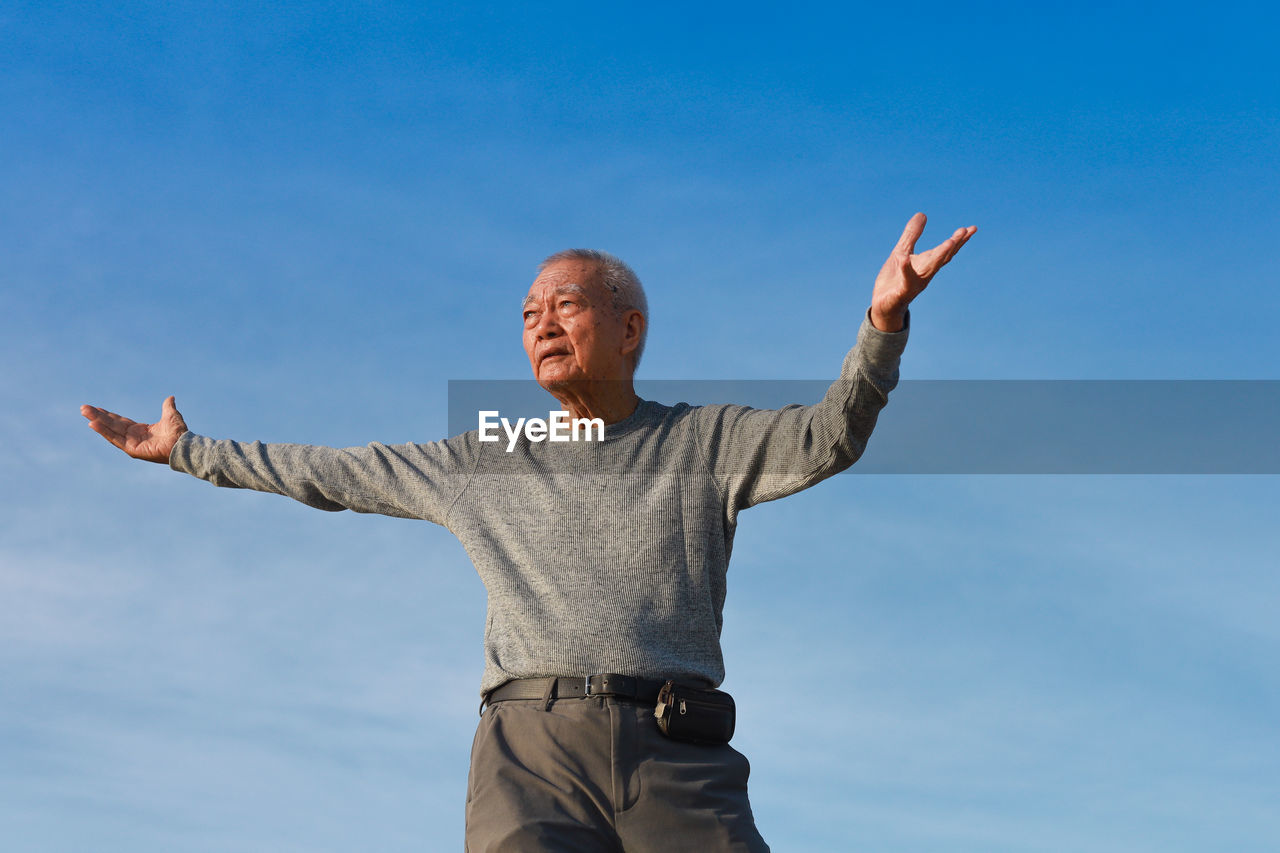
{"x": 619, "y": 279}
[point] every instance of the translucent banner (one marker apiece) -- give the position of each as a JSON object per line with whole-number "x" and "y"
{"x": 992, "y": 426}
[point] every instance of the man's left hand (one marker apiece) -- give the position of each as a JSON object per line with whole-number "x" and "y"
{"x": 904, "y": 275}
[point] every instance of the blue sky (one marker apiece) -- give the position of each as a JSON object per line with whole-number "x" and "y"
{"x": 305, "y": 221}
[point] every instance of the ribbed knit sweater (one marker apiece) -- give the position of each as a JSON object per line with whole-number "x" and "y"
{"x": 597, "y": 556}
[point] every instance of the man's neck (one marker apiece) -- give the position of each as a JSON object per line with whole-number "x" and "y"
{"x": 611, "y": 400}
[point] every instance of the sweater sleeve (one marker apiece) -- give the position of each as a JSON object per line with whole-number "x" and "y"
{"x": 406, "y": 480}
{"x": 758, "y": 455}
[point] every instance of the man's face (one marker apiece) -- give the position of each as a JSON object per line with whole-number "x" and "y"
{"x": 571, "y": 331}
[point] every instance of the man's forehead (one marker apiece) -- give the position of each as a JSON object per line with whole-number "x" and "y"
{"x": 542, "y": 289}
{"x": 565, "y": 277}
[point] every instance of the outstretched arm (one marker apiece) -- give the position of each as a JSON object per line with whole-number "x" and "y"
{"x": 758, "y": 455}
{"x": 406, "y": 480}
{"x": 152, "y": 442}
{"x": 904, "y": 275}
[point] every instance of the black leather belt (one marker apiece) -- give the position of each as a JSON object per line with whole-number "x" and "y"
{"x": 609, "y": 684}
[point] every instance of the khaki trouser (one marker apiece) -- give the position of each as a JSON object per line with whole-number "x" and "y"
{"x": 595, "y": 774}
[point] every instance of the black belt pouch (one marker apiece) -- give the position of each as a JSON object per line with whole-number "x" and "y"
{"x": 695, "y": 715}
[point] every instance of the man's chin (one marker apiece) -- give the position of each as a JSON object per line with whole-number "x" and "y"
{"x": 551, "y": 386}
{"x": 552, "y": 381}
{"x": 561, "y": 386}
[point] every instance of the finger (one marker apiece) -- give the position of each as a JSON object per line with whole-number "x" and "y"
{"x": 962, "y": 237}
{"x": 952, "y": 245}
{"x": 928, "y": 263}
{"x": 109, "y": 424}
{"x": 105, "y": 430}
{"x": 910, "y": 234}
{"x": 169, "y": 409}
{"x": 955, "y": 241}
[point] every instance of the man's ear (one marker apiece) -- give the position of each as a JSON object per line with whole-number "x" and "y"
{"x": 632, "y": 331}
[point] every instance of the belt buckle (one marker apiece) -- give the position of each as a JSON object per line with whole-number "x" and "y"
{"x": 611, "y": 684}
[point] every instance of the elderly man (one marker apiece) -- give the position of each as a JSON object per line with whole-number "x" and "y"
{"x": 604, "y": 561}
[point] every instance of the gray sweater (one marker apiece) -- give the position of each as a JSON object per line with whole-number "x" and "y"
{"x": 598, "y": 556}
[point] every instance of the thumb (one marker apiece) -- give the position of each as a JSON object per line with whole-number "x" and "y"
{"x": 910, "y": 234}
{"x": 169, "y": 414}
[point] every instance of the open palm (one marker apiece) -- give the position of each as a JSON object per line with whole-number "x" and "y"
{"x": 152, "y": 442}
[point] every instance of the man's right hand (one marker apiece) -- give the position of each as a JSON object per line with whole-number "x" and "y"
{"x": 151, "y": 442}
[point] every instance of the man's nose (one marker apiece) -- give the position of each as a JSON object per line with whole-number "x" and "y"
{"x": 547, "y": 327}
